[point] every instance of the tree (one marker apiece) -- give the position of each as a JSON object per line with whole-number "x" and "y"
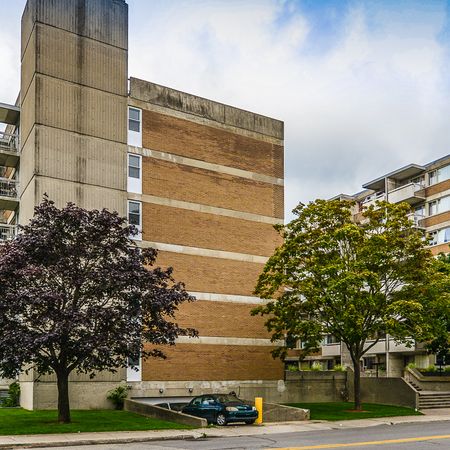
{"x": 76, "y": 294}
{"x": 440, "y": 308}
{"x": 355, "y": 281}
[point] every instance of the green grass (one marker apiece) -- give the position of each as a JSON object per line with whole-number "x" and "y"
{"x": 20, "y": 421}
{"x": 343, "y": 410}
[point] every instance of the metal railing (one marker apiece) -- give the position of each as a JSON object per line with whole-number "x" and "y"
{"x": 9, "y": 188}
{"x": 7, "y": 232}
{"x": 417, "y": 219}
{"x": 9, "y": 142}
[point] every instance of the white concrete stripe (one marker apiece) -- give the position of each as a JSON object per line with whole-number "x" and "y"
{"x": 170, "y": 157}
{"x": 198, "y": 207}
{"x": 227, "y": 298}
{"x": 213, "y": 340}
{"x": 196, "y": 251}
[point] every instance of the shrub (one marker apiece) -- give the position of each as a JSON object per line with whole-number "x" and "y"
{"x": 447, "y": 369}
{"x": 292, "y": 368}
{"x": 411, "y": 365}
{"x": 316, "y": 366}
{"x": 339, "y": 368}
{"x": 118, "y": 395}
{"x": 13, "y": 398}
{"x": 429, "y": 369}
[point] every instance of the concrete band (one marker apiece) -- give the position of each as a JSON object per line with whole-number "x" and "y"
{"x": 198, "y": 207}
{"x": 170, "y": 157}
{"x": 245, "y": 299}
{"x": 213, "y": 340}
{"x": 196, "y": 251}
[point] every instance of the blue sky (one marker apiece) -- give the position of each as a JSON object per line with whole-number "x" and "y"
{"x": 362, "y": 86}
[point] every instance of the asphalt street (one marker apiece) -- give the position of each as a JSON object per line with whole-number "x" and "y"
{"x": 407, "y": 436}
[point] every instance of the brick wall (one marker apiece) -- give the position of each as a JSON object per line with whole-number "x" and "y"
{"x": 196, "y": 229}
{"x": 194, "y": 140}
{"x": 437, "y": 219}
{"x": 222, "y": 319}
{"x": 437, "y": 188}
{"x": 221, "y": 276}
{"x": 186, "y": 362}
{"x": 190, "y": 184}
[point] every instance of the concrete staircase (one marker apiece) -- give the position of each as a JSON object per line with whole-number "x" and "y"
{"x": 433, "y": 399}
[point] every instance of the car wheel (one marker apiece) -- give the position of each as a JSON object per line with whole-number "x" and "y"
{"x": 250, "y": 422}
{"x": 221, "y": 420}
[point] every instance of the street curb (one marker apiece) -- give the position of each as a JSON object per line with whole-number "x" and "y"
{"x": 197, "y": 435}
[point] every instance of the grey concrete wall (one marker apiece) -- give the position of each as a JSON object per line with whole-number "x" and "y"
{"x": 433, "y": 383}
{"x": 387, "y": 391}
{"x": 156, "y": 412}
{"x": 273, "y": 412}
{"x": 191, "y": 104}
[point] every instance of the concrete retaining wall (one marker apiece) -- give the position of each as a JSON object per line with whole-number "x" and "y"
{"x": 434, "y": 383}
{"x": 387, "y": 391}
{"x": 272, "y": 412}
{"x": 156, "y": 412}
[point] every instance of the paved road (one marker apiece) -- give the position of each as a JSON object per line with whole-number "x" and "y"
{"x": 409, "y": 436}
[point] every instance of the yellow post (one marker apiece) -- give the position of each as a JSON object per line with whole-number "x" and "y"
{"x": 259, "y": 408}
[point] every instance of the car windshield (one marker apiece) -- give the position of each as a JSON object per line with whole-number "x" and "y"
{"x": 228, "y": 399}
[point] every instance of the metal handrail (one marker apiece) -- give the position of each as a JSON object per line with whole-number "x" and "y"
{"x": 9, "y": 188}
{"x": 10, "y": 142}
{"x": 7, "y": 232}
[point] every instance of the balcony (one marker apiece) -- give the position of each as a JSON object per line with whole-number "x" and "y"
{"x": 372, "y": 199}
{"x": 417, "y": 219}
{"x": 411, "y": 193}
{"x": 9, "y": 194}
{"x": 7, "y": 232}
{"x": 331, "y": 349}
{"x": 9, "y": 149}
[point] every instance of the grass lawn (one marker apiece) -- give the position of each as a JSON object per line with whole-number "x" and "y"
{"x": 20, "y": 421}
{"x": 343, "y": 410}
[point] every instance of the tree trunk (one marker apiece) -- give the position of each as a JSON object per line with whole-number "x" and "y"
{"x": 63, "y": 397}
{"x": 357, "y": 383}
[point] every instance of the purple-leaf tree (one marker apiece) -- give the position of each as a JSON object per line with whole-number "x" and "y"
{"x": 76, "y": 294}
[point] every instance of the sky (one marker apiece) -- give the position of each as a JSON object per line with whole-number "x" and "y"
{"x": 363, "y": 87}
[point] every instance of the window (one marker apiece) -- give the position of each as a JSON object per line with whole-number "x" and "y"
{"x": 438, "y": 175}
{"x": 439, "y": 206}
{"x": 134, "y": 183}
{"x": 134, "y": 120}
{"x": 134, "y": 127}
{"x": 135, "y": 217}
{"x": 439, "y": 236}
{"x": 134, "y": 166}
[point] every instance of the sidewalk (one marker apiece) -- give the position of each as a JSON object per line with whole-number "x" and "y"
{"x": 122, "y": 437}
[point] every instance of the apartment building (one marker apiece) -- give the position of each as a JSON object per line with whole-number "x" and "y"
{"x": 202, "y": 181}
{"x": 427, "y": 189}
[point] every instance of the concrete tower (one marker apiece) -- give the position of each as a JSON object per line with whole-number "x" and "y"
{"x": 74, "y": 103}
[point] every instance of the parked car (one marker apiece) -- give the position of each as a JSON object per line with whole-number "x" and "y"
{"x": 221, "y": 409}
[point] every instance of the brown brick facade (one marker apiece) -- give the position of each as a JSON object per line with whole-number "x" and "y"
{"x": 436, "y": 219}
{"x": 189, "y": 362}
{"x": 437, "y": 188}
{"x": 190, "y": 184}
{"x": 197, "y": 141}
{"x": 203, "y": 274}
{"x": 441, "y": 248}
{"x": 222, "y": 319}
{"x": 196, "y": 229}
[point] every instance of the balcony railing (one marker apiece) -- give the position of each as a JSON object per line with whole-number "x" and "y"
{"x": 372, "y": 199}
{"x": 411, "y": 193}
{"x": 7, "y": 232}
{"x": 417, "y": 219}
{"x": 9, "y": 142}
{"x": 9, "y": 188}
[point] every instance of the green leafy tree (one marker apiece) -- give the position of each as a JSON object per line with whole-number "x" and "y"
{"x": 355, "y": 281}
{"x": 77, "y": 295}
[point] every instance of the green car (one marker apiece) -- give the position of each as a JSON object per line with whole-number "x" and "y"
{"x": 221, "y": 409}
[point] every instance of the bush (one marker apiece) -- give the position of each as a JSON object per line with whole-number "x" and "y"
{"x": 316, "y": 366}
{"x": 292, "y": 368}
{"x": 339, "y": 368}
{"x": 429, "y": 369}
{"x": 411, "y": 365}
{"x": 118, "y": 395}
{"x": 13, "y": 398}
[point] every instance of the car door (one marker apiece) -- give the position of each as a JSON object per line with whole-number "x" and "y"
{"x": 194, "y": 407}
{"x": 209, "y": 408}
